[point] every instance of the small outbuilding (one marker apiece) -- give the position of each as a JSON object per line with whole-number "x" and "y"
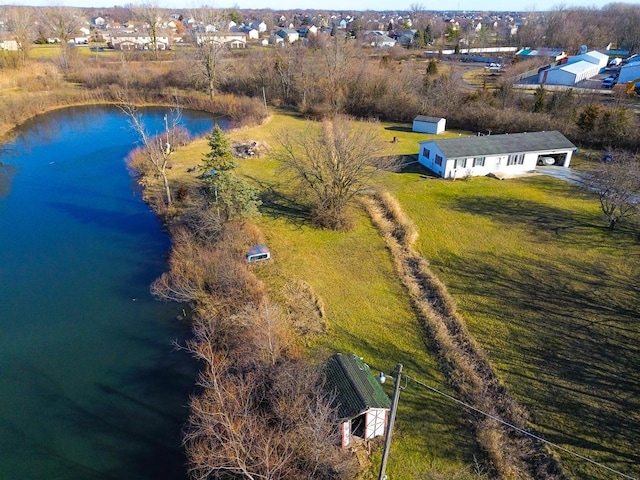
{"x": 506, "y": 155}
{"x": 433, "y": 125}
{"x": 258, "y": 253}
{"x": 362, "y": 404}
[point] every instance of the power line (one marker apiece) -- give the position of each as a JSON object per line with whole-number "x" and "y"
{"x": 532, "y": 435}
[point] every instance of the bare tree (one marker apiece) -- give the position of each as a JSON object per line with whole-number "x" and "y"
{"x": 337, "y": 57}
{"x": 210, "y": 49}
{"x": 20, "y": 23}
{"x": 151, "y": 15}
{"x": 334, "y": 164}
{"x": 156, "y": 149}
{"x": 272, "y": 423}
{"x": 617, "y": 183}
{"x": 61, "y": 23}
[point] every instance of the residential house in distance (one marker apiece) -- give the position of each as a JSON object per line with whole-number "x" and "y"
{"x": 8, "y": 45}
{"x": 502, "y": 155}
{"x": 260, "y": 26}
{"x": 377, "y": 38}
{"x": 362, "y": 404}
{"x": 127, "y": 41}
{"x": 250, "y": 32}
{"x": 233, "y": 40}
{"x": 288, "y": 34}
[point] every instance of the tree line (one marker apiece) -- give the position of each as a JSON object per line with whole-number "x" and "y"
{"x": 261, "y": 410}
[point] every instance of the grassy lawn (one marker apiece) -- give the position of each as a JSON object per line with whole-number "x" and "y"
{"x": 550, "y": 295}
{"x": 367, "y": 309}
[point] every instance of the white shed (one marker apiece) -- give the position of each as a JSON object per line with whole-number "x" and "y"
{"x": 433, "y": 125}
{"x": 507, "y": 154}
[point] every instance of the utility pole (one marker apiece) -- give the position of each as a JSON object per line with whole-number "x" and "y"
{"x": 392, "y": 419}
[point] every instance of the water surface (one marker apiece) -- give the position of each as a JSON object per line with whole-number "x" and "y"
{"x": 90, "y": 385}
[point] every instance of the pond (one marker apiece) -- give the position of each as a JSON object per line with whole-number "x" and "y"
{"x": 91, "y": 386}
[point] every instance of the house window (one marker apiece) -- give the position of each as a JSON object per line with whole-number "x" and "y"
{"x": 515, "y": 159}
{"x": 460, "y": 163}
{"x": 438, "y": 160}
{"x": 478, "y": 162}
{"x": 426, "y": 153}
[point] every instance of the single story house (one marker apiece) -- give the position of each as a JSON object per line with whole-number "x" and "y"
{"x": 424, "y": 124}
{"x": 378, "y": 39}
{"x": 362, "y": 404}
{"x": 9, "y": 45}
{"x": 508, "y": 154}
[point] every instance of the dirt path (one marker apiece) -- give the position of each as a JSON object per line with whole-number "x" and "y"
{"x": 511, "y": 454}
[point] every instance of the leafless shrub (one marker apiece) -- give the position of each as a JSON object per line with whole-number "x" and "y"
{"x": 304, "y": 308}
{"x": 333, "y": 164}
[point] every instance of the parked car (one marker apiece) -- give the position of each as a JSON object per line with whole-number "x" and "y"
{"x": 608, "y": 82}
{"x": 546, "y": 161}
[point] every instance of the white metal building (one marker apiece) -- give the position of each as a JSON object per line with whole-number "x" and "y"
{"x": 576, "y": 69}
{"x": 629, "y": 72}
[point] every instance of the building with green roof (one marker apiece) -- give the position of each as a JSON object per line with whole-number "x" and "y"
{"x": 361, "y": 403}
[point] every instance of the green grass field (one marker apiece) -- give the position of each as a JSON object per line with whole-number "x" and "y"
{"x": 549, "y": 294}
{"x": 368, "y": 311}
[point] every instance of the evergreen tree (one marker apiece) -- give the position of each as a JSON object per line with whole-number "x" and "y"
{"x": 219, "y": 157}
{"x": 231, "y": 196}
{"x": 428, "y": 36}
{"x": 432, "y": 67}
{"x": 587, "y": 119}
{"x": 419, "y": 40}
{"x": 541, "y": 100}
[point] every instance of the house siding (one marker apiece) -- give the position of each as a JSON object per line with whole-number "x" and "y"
{"x": 466, "y": 162}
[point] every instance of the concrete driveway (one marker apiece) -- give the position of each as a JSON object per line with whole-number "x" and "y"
{"x": 566, "y": 174}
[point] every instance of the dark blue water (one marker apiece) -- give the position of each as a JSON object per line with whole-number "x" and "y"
{"x": 90, "y": 385}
